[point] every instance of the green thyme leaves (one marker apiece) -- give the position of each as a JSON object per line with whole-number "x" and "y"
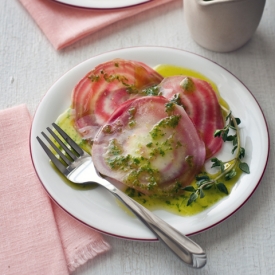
{"x": 227, "y": 169}
{"x": 203, "y": 183}
{"x": 222, "y": 188}
{"x": 244, "y": 167}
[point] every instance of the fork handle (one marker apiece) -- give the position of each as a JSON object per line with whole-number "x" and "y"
{"x": 186, "y": 249}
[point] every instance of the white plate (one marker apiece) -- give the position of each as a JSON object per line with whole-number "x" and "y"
{"x": 97, "y": 208}
{"x": 102, "y": 4}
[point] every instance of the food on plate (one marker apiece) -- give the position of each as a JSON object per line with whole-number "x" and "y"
{"x": 154, "y": 130}
{"x": 199, "y": 100}
{"x": 105, "y": 88}
{"x": 151, "y": 145}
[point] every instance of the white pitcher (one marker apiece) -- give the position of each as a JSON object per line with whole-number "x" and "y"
{"x": 223, "y": 25}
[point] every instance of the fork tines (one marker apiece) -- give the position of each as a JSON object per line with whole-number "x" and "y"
{"x": 69, "y": 141}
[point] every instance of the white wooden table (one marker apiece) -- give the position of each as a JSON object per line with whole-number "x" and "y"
{"x": 242, "y": 244}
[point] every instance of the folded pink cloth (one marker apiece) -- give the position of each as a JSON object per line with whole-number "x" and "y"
{"x": 64, "y": 25}
{"x": 36, "y": 236}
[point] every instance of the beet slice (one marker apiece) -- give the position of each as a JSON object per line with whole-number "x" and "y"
{"x": 151, "y": 145}
{"x": 105, "y": 88}
{"x": 201, "y": 104}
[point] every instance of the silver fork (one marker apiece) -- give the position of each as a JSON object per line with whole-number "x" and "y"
{"x": 78, "y": 167}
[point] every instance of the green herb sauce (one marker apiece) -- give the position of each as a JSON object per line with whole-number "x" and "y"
{"x": 178, "y": 205}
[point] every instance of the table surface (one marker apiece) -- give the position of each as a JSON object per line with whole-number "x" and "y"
{"x": 242, "y": 244}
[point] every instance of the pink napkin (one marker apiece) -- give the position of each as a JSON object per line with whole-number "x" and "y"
{"x": 36, "y": 236}
{"x": 64, "y": 25}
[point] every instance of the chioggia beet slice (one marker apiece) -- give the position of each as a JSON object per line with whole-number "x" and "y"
{"x": 201, "y": 104}
{"x": 151, "y": 145}
{"x": 105, "y": 88}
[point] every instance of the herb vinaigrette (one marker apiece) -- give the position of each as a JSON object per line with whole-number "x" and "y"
{"x": 176, "y": 205}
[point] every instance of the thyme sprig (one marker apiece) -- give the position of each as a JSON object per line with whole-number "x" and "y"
{"x": 227, "y": 168}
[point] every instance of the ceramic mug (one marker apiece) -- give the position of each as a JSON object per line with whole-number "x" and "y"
{"x": 223, "y": 25}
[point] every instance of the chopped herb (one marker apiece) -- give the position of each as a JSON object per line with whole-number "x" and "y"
{"x": 107, "y": 129}
{"x": 188, "y": 84}
{"x": 176, "y": 99}
{"x": 170, "y": 121}
{"x": 131, "y": 123}
{"x": 114, "y": 148}
{"x": 153, "y": 90}
{"x": 170, "y": 106}
{"x": 190, "y": 160}
{"x": 132, "y": 111}
{"x": 131, "y": 192}
{"x": 149, "y": 145}
{"x": 177, "y": 187}
{"x": 156, "y": 132}
{"x": 178, "y": 144}
{"x": 94, "y": 78}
